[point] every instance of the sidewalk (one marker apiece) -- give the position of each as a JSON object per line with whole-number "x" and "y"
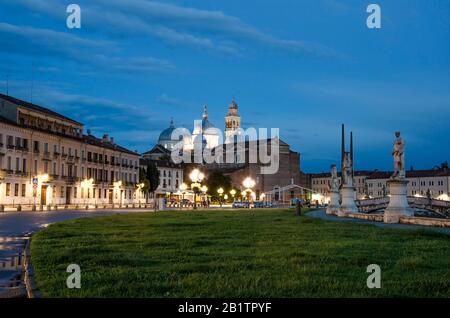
{"x": 321, "y": 214}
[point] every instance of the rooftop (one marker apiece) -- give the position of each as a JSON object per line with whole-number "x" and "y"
{"x": 37, "y": 108}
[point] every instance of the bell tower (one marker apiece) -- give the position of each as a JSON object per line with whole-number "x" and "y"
{"x": 232, "y": 122}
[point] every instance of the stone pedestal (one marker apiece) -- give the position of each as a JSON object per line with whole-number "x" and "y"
{"x": 348, "y": 201}
{"x": 161, "y": 204}
{"x": 333, "y": 206}
{"x": 398, "y": 202}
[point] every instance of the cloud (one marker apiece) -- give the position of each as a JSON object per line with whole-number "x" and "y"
{"x": 177, "y": 25}
{"x": 46, "y": 42}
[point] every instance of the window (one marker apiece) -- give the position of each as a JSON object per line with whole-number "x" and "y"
{"x": 62, "y": 170}
{"x": 62, "y": 192}
{"x": 36, "y": 146}
{"x": 46, "y": 167}
{"x": 75, "y": 192}
{"x": 17, "y": 165}
{"x": 24, "y": 189}
{"x": 35, "y": 166}
{"x": 8, "y": 189}
{"x": 24, "y": 165}
{"x": 16, "y": 189}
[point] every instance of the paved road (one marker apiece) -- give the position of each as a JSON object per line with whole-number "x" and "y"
{"x": 15, "y": 228}
{"x": 321, "y": 214}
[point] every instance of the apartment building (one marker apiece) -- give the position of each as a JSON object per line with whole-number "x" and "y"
{"x": 46, "y": 159}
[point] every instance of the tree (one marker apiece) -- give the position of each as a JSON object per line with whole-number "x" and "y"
{"x": 150, "y": 178}
{"x": 216, "y": 179}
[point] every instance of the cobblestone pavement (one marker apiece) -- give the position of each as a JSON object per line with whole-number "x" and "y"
{"x": 321, "y": 214}
{"x": 16, "y": 228}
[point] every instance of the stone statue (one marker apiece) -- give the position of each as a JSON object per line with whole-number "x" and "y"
{"x": 347, "y": 178}
{"x": 398, "y": 153}
{"x": 334, "y": 184}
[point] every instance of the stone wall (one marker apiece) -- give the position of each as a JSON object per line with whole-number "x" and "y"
{"x": 425, "y": 221}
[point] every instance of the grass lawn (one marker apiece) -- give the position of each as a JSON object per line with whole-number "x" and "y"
{"x": 263, "y": 253}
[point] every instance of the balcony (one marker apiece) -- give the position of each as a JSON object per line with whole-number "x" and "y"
{"x": 64, "y": 155}
{"x": 53, "y": 177}
{"x": 21, "y": 173}
{"x": 71, "y": 158}
{"x": 46, "y": 155}
{"x": 36, "y": 152}
{"x": 56, "y": 154}
{"x": 9, "y": 146}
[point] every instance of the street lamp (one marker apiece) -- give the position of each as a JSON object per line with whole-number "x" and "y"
{"x": 233, "y": 193}
{"x": 196, "y": 177}
{"x": 183, "y": 188}
{"x": 248, "y": 184}
{"x": 220, "y": 192}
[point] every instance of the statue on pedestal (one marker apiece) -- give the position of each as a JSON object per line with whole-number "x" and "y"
{"x": 347, "y": 173}
{"x": 334, "y": 184}
{"x": 398, "y": 153}
{"x": 398, "y": 203}
{"x": 333, "y": 206}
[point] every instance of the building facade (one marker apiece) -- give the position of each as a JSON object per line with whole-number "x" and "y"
{"x": 170, "y": 174}
{"x": 287, "y": 174}
{"x": 422, "y": 183}
{"x": 46, "y": 159}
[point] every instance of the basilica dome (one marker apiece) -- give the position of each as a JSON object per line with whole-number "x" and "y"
{"x": 165, "y": 138}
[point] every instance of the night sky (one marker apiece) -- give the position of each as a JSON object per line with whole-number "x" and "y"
{"x": 302, "y": 66}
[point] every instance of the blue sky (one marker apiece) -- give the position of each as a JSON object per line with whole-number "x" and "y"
{"x": 302, "y": 66}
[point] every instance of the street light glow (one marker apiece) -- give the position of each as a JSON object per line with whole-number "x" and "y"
{"x": 248, "y": 183}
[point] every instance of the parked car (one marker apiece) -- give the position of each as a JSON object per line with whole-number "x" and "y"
{"x": 240, "y": 205}
{"x": 258, "y": 204}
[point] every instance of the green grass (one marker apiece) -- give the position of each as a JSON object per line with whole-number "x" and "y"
{"x": 263, "y": 253}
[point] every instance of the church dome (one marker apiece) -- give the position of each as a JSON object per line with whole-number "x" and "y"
{"x": 166, "y": 134}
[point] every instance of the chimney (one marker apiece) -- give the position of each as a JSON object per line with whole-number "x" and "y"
{"x": 111, "y": 140}
{"x": 105, "y": 138}
{"x": 89, "y": 132}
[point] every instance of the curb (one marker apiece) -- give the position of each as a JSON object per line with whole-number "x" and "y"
{"x": 30, "y": 284}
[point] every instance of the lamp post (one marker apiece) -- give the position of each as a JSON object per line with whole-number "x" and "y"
{"x": 183, "y": 188}
{"x": 248, "y": 184}
{"x": 204, "y": 190}
{"x": 220, "y": 192}
{"x": 196, "y": 177}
